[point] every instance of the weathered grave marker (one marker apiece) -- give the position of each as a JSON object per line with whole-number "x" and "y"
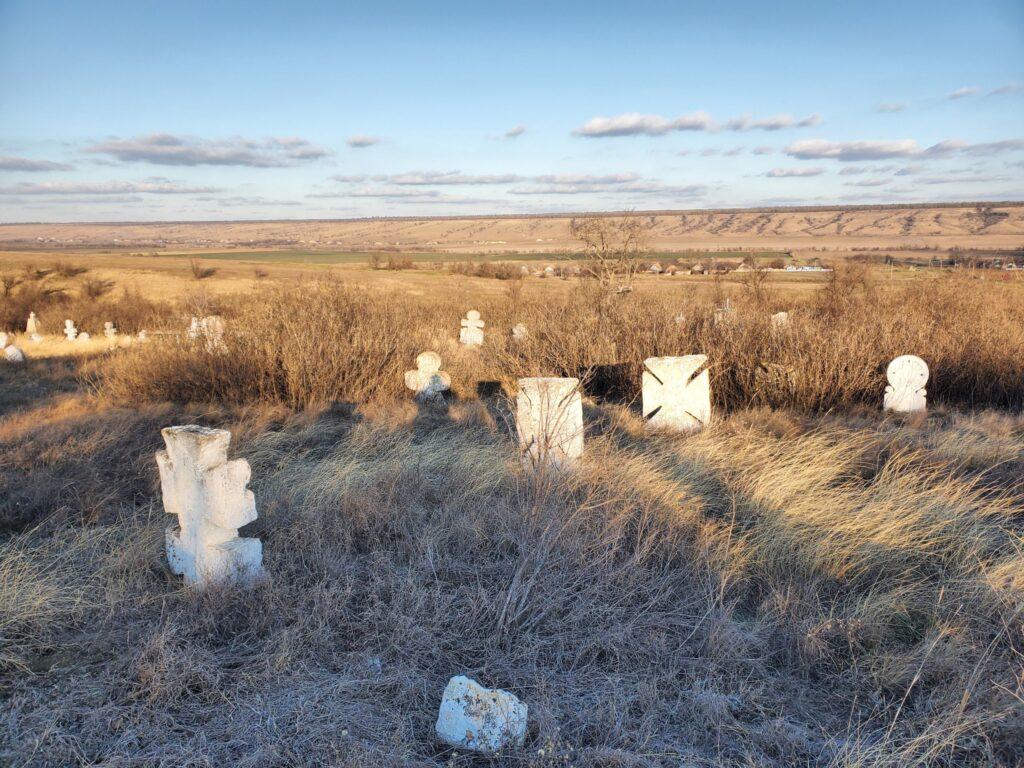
{"x": 472, "y": 333}
{"x": 907, "y": 376}
{"x": 109, "y": 330}
{"x": 549, "y": 421}
{"x": 209, "y": 496}
{"x": 677, "y": 393}
{"x": 520, "y": 332}
{"x": 70, "y": 331}
{"x": 480, "y": 719}
{"x": 32, "y": 326}
{"x": 428, "y": 381}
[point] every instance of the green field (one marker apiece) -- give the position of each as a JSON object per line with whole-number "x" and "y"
{"x": 358, "y": 257}
{"x": 363, "y": 257}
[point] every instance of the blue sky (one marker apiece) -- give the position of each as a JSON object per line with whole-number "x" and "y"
{"x": 222, "y": 110}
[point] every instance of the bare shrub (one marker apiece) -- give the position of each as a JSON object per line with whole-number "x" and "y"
{"x": 200, "y": 272}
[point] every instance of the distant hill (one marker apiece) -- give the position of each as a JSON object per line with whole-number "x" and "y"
{"x": 987, "y": 225}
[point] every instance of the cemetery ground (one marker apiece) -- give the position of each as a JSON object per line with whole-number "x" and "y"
{"x": 806, "y": 581}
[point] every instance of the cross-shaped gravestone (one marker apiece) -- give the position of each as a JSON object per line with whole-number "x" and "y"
{"x": 109, "y": 330}
{"x": 428, "y": 381}
{"x": 32, "y": 326}
{"x": 907, "y": 376}
{"x": 70, "y": 331}
{"x": 472, "y": 333}
{"x": 208, "y": 494}
{"x": 549, "y": 421}
{"x": 676, "y": 397}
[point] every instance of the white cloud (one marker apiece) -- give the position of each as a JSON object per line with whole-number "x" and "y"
{"x": 960, "y": 93}
{"x": 764, "y": 150}
{"x": 31, "y": 166}
{"x": 168, "y": 149}
{"x": 362, "y": 142}
{"x": 776, "y": 123}
{"x": 635, "y": 188}
{"x": 868, "y": 183}
{"x": 636, "y": 124}
{"x": 155, "y": 187}
{"x": 788, "y": 173}
{"x": 1007, "y": 89}
{"x": 890, "y": 107}
{"x": 515, "y": 131}
{"x": 852, "y": 150}
{"x": 848, "y": 151}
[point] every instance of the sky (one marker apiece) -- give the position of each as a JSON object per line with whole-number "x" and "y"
{"x": 140, "y": 111}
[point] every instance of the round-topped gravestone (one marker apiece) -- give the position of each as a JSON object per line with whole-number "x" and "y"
{"x": 907, "y": 375}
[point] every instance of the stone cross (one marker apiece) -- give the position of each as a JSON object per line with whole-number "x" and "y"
{"x": 109, "y": 330}
{"x": 520, "y": 332}
{"x": 725, "y": 313}
{"x": 549, "y": 421}
{"x": 472, "y": 333}
{"x": 428, "y": 381}
{"x": 70, "y": 331}
{"x": 907, "y": 376}
{"x": 676, "y": 397}
{"x": 209, "y": 496}
{"x": 32, "y": 326}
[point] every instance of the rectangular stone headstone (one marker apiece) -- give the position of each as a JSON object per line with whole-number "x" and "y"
{"x": 549, "y": 421}
{"x": 677, "y": 393}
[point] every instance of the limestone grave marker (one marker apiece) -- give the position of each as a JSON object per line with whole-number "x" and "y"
{"x": 208, "y": 494}
{"x": 676, "y": 393}
{"x": 907, "y": 375}
{"x": 549, "y": 421}
{"x": 480, "y": 719}
{"x": 428, "y": 381}
{"x": 472, "y": 332}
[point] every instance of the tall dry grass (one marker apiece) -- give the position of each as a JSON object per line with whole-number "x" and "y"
{"x": 329, "y": 343}
{"x": 774, "y": 591}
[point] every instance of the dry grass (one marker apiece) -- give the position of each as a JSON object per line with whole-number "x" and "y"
{"x": 788, "y": 587}
{"x": 326, "y": 343}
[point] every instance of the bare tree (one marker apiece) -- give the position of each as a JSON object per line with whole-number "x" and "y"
{"x": 614, "y": 247}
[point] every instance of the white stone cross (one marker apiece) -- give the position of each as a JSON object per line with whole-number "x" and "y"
{"x": 70, "y": 331}
{"x": 549, "y": 421}
{"x": 677, "y": 393}
{"x": 907, "y": 376}
{"x": 109, "y": 330}
{"x": 32, "y": 326}
{"x": 428, "y": 381}
{"x": 472, "y": 333}
{"x": 208, "y": 494}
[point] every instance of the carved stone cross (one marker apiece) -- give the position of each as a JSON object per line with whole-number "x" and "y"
{"x": 428, "y": 381}
{"x": 472, "y": 333}
{"x": 209, "y": 496}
